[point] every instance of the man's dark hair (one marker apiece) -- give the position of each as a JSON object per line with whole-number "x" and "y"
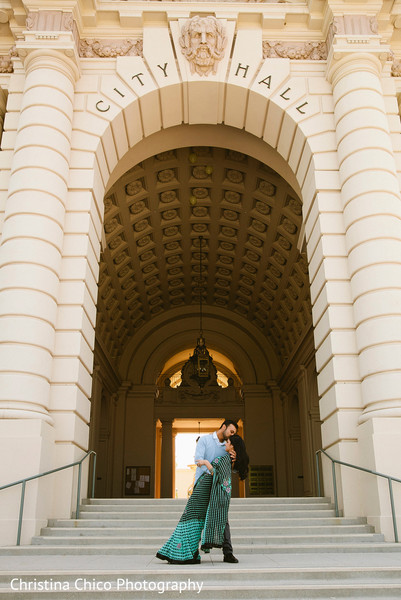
{"x": 228, "y": 422}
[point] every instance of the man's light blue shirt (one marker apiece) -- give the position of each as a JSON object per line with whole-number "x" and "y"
{"x": 208, "y": 448}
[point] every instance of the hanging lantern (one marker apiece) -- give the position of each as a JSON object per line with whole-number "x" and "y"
{"x": 193, "y": 158}
{"x": 192, "y": 200}
{"x": 203, "y": 359}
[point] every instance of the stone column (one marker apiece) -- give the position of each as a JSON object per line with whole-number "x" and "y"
{"x": 372, "y": 214}
{"x": 166, "y": 485}
{"x": 280, "y": 438}
{"x": 30, "y": 261}
{"x": 30, "y": 253}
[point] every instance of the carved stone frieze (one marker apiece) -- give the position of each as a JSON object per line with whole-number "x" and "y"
{"x": 295, "y": 50}
{"x": 6, "y": 65}
{"x": 203, "y": 40}
{"x": 110, "y": 48}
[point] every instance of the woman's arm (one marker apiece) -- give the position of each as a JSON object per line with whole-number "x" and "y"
{"x": 206, "y": 463}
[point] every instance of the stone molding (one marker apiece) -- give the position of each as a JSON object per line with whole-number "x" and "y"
{"x": 110, "y": 48}
{"x": 188, "y": 397}
{"x": 242, "y": 1}
{"x": 50, "y": 20}
{"x": 355, "y": 25}
{"x": 295, "y": 50}
{"x": 352, "y": 26}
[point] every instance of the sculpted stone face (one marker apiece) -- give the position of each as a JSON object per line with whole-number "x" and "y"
{"x": 203, "y": 41}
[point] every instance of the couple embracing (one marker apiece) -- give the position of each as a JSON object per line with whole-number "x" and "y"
{"x": 205, "y": 516}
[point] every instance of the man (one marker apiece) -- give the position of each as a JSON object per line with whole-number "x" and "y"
{"x": 208, "y": 448}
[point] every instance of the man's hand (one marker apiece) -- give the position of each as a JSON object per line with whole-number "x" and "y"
{"x": 207, "y": 464}
{"x": 233, "y": 455}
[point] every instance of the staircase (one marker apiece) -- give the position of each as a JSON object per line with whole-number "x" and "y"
{"x": 288, "y": 548}
{"x": 262, "y": 526}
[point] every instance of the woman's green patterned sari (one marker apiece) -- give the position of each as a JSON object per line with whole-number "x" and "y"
{"x": 206, "y": 510}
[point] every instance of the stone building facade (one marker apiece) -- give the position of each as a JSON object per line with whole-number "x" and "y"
{"x": 156, "y": 152}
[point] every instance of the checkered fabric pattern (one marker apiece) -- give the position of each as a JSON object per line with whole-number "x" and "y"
{"x": 207, "y": 510}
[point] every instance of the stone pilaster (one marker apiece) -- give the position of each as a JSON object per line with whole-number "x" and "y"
{"x": 306, "y": 437}
{"x": 2, "y": 110}
{"x": 139, "y": 430}
{"x": 260, "y": 427}
{"x": 166, "y": 485}
{"x": 119, "y": 440}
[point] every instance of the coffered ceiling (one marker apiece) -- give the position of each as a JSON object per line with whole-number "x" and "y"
{"x": 229, "y": 210}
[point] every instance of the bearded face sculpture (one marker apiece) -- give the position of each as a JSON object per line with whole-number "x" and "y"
{"x": 203, "y": 40}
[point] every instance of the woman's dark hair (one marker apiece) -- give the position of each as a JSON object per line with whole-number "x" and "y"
{"x": 242, "y": 459}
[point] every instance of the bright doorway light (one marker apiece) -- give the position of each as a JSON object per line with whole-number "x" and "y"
{"x": 185, "y": 446}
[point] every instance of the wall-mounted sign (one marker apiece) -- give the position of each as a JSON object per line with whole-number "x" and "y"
{"x": 261, "y": 480}
{"x": 137, "y": 481}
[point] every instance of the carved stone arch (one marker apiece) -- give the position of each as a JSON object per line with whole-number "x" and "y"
{"x": 110, "y": 137}
{"x": 289, "y": 137}
{"x": 173, "y": 331}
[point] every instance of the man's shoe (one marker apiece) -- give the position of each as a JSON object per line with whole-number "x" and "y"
{"x": 230, "y": 558}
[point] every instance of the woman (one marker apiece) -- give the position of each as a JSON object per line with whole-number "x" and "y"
{"x": 207, "y": 508}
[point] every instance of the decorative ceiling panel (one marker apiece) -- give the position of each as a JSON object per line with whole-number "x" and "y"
{"x": 229, "y": 210}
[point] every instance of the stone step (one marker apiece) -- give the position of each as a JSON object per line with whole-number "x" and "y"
{"x": 318, "y": 591}
{"x": 235, "y": 508}
{"x": 157, "y": 541}
{"x": 212, "y": 583}
{"x": 138, "y": 531}
{"x": 137, "y": 549}
{"x": 237, "y": 521}
{"x": 248, "y": 515}
{"x": 226, "y": 575}
{"x": 183, "y": 501}
{"x": 111, "y": 531}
